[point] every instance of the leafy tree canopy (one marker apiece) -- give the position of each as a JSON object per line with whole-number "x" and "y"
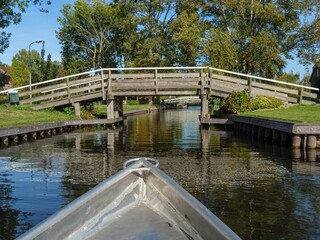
{"x": 10, "y": 13}
{"x": 254, "y": 36}
{"x": 249, "y": 36}
{"x": 40, "y": 69}
{"x": 90, "y": 33}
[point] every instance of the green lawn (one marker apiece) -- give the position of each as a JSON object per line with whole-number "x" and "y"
{"x": 11, "y": 116}
{"x": 295, "y": 113}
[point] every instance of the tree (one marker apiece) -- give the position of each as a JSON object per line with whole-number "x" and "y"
{"x": 308, "y": 39}
{"x": 20, "y": 68}
{"x": 91, "y": 33}
{"x": 152, "y": 45}
{"x": 251, "y": 36}
{"x": 52, "y": 69}
{"x": 187, "y": 33}
{"x": 11, "y": 14}
{"x": 289, "y": 77}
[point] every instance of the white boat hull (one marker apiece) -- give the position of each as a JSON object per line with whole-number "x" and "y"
{"x": 139, "y": 202}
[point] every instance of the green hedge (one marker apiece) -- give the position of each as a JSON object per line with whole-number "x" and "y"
{"x": 265, "y": 102}
{"x": 239, "y": 102}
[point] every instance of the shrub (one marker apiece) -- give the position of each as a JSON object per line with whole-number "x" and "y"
{"x": 237, "y": 102}
{"x": 265, "y": 102}
{"x": 4, "y": 99}
{"x": 69, "y": 110}
{"x": 214, "y": 104}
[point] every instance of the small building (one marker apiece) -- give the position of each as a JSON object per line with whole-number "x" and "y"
{"x": 315, "y": 76}
{"x": 5, "y": 80}
{"x": 315, "y": 79}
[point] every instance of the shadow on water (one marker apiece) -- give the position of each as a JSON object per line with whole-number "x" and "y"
{"x": 261, "y": 191}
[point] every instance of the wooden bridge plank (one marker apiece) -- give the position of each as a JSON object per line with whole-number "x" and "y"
{"x": 95, "y": 87}
{"x": 229, "y": 79}
{"x": 61, "y": 86}
{"x": 179, "y": 75}
{"x": 227, "y": 86}
{"x": 153, "y": 93}
{"x": 62, "y": 102}
{"x": 275, "y": 88}
{"x": 309, "y": 94}
{"x": 282, "y": 96}
{"x": 124, "y": 76}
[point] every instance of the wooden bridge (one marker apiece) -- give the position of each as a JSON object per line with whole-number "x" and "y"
{"x": 110, "y": 84}
{"x": 190, "y": 99}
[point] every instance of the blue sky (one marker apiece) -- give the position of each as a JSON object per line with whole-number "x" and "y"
{"x": 36, "y": 26}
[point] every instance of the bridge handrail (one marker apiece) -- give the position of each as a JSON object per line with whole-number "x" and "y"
{"x": 71, "y": 85}
{"x": 98, "y": 71}
{"x": 264, "y": 79}
{"x": 159, "y": 68}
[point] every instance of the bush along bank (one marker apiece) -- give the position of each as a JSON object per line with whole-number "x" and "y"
{"x": 240, "y": 102}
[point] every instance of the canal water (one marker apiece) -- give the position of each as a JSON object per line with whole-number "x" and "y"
{"x": 260, "y": 191}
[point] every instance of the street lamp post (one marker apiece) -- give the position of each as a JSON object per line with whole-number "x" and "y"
{"x": 30, "y": 64}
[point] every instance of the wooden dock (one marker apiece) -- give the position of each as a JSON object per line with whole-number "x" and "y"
{"x": 16, "y": 135}
{"x": 297, "y": 135}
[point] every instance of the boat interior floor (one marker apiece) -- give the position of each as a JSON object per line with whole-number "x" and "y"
{"x": 139, "y": 222}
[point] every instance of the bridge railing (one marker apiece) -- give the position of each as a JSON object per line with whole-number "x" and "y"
{"x": 113, "y": 81}
{"x": 224, "y": 81}
{"x": 161, "y": 81}
{"x": 188, "y": 99}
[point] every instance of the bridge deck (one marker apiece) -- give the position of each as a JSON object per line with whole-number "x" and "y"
{"x": 197, "y": 81}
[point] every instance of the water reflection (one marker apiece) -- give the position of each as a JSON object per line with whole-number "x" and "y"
{"x": 261, "y": 191}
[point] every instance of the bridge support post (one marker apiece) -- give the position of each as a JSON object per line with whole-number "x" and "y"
{"x": 77, "y": 110}
{"x": 150, "y": 100}
{"x": 110, "y": 106}
{"x": 205, "y": 107}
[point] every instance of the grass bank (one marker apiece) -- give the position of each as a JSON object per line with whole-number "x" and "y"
{"x": 295, "y": 113}
{"x": 13, "y": 116}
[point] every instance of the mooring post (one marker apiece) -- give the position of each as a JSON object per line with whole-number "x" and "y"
{"x": 296, "y": 141}
{"x": 311, "y": 155}
{"x": 296, "y": 153}
{"x": 312, "y": 142}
